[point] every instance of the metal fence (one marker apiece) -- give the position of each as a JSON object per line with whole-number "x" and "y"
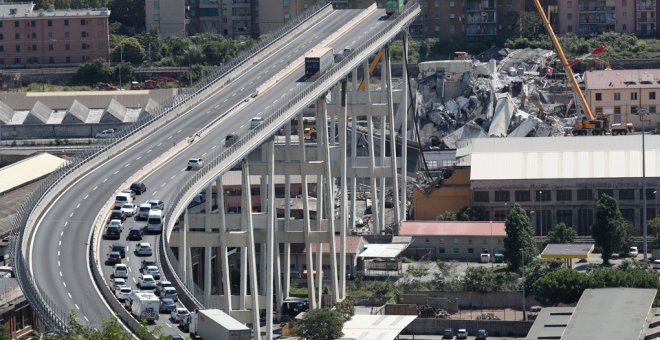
{"x": 49, "y": 313}
{"x": 249, "y": 136}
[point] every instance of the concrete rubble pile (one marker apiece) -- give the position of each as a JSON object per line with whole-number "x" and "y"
{"x": 462, "y": 99}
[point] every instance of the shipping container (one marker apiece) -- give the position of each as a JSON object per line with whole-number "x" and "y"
{"x": 318, "y": 60}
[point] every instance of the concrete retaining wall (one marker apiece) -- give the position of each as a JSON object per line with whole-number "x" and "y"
{"x": 467, "y": 300}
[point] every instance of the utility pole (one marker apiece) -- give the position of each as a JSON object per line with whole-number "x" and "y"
{"x": 642, "y": 113}
{"x": 121, "y": 61}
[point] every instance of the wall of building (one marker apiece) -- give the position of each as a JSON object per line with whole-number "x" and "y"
{"x": 452, "y": 195}
{"x": 467, "y": 300}
{"x": 168, "y": 16}
{"x": 495, "y": 328}
{"x": 623, "y": 104}
{"x": 461, "y": 248}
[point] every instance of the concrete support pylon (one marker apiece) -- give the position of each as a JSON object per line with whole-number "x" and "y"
{"x": 306, "y": 219}
{"x": 342, "y": 113}
{"x": 390, "y": 116}
{"x": 224, "y": 257}
{"x": 251, "y": 256}
{"x": 320, "y": 198}
{"x": 286, "y": 289}
{"x": 375, "y": 213}
{"x": 404, "y": 130}
{"x": 270, "y": 248}
{"x": 208, "y": 251}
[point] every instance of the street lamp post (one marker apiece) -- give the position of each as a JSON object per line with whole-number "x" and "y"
{"x": 540, "y": 212}
{"x": 642, "y": 113}
{"x": 522, "y": 255}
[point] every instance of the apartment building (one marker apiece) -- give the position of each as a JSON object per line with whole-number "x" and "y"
{"x": 623, "y": 93}
{"x": 646, "y": 17}
{"x": 166, "y": 16}
{"x": 591, "y": 17}
{"x": 50, "y": 36}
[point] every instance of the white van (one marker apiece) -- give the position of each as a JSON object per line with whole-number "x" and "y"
{"x": 123, "y": 198}
{"x": 155, "y": 220}
{"x": 143, "y": 211}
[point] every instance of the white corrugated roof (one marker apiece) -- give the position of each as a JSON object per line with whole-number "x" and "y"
{"x": 383, "y": 251}
{"x": 376, "y": 327}
{"x": 28, "y": 170}
{"x": 561, "y": 157}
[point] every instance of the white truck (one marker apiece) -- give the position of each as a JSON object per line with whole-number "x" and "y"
{"x": 210, "y": 324}
{"x": 144, "y": 306}
{"x": 317, "y": 60}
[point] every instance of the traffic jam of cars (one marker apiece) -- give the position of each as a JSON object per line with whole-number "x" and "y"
{"x": 151, "y": 294}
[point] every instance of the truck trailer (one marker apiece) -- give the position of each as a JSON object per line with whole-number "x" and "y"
{"x": 144, "y": 306}
{"x": 318, "y": 60}
{"x": 210, "y": 324}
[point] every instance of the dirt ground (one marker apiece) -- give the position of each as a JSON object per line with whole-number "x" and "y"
{"x": 503, "y": 314}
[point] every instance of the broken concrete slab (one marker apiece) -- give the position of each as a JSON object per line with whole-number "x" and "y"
{"x": 504, "y": 110}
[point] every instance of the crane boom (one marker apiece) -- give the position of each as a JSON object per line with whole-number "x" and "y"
{"x": 372, "y": 68}
{"x": 564, "y": 61}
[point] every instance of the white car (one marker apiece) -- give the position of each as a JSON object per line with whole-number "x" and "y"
{"x": 633, "y": 252}
{"x": 120, "y": 270}
{"x": 179, "y": 314}
{"x": 462, "y": 334}
{"x": 195, "y": 164}
{"x": 116, "y": 223}
{"x": 153, "y": 271}
{"x": 129, "y": 209}
{"x": 123, "y": 293}
{"x": 160, "y": 286}
{"x": 144, "y": 249}
{"x": 146, "y": 281}
{"x": 117, "y": 282}
{"x": 105, "y": 133}
{"x": 656, "y": 264}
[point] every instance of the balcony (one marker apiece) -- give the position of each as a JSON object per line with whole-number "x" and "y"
{"x": 596, "y": 8}
{"x": 646, "y": 6}
{"x": 478, "y": 6}
{"x": 481, "y": 30}
{"x": 646, "y": 20}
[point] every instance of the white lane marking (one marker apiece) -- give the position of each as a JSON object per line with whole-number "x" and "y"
{"x": 234, "y": 95}
{"x": 60, "y": 243}
{"x": 162, "y": 185}
{"x": 78, "y": 206}
{"x": 58, "y": 253}
{"x": 58, "y": 263}
{"x": 276, "y": 100}
{"x": 159, "y": 144}
{"x": 86, "y": 196}
{"x": 154, "y": 194}
{"x": 172, "y": 176}
{"x": 86, "y": 319}
{"x": 179, "y": 131}
{"x": 128, "y": 259}
{"x": 149, "y": 151}
{"x": 242, "y": 126}
{"x": 71, "y": 215}
{"x": 77, "y": 306}
{"x": 65, "y": 223}
{"x": 242, "y": 89}
{"x": 215, "y": 146}
{"x": 105, "y": 180}
{"x": 134, "y": 281}
{"x": 127, "y": 165}
{"x": 224, "y": 101}
{"x": 70, "y": 297}
{"x": 116, "y": 172}
{"x": 204, "y": 154}
{"x": 60, "y": 274}
{"x": 129, "y": 269}
{"x": 64, "y": 283}
{"x": 61, "y": 234}
{"x": 170, "y": 137}
{"x": 217, "y": 106}
{"x": 137, "y": 159}
{"x": 96, "y": 187}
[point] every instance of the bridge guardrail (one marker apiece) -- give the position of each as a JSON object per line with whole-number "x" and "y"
{"x": 24, "y": 222}
{"x": 184, "y": 195}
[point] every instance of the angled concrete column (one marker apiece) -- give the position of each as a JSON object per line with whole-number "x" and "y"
{"x": 404, "y": 131}
{"x": 320, "y": 194}
{"x": 183, "y": 251}
{"x": 208, "y": 272}
{"x": 393, "y": 165}
{"x": 270, "y": 237}
{"x": 375, "y": 213}
{"x": 330, "y": 201}
{"x": 287, "y": 215}
{"x": 342, "y": 111}
{"x": 247, "y": 213}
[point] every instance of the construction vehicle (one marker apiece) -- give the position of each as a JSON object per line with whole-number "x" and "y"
{"x": 588, "y": 123}
{"x": 310, "y": 134}
{"x": 391, "y": 6}
{"x": 372, "y": 68}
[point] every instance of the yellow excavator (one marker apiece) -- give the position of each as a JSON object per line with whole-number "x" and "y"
{"x": 587, "y": 124}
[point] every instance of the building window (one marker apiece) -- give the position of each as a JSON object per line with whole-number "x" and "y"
{"x": 470, "y": 250}
{"x": 629, "y": 215}
{"x": 17, "y": 36}
{"x": 599, "y": 109}
{"x": 17, "y": 24}
{"x": 481, "y": 196}
{"x": 156, "y": 4}
{"x": 523, "y": 196}
{"x": 2, "y": 36}
{"x": 543, "y": 195}
{"x": 50, "y": 47}
{"x": 50, "y": 23}
{"x": 627, "y": 194}
{"x": 84, "y": 46}
{"x": 585, "y": 195}
{"x": 67, "y": 47}
{"x": 617, "y": 96}
{"x": 565, "y": 216}
{"x": 68, "y": 59}
{"x": 456, "y": 251}
{"x": 428, "y": 240}
{"x": 633, "y": 95}
{"x": 599, "y": 96}
{"x": 33, "y": 23}
{"x": 441, "y": 250}
{"x": 83, "y": 34}
{"x": 652, "y": 95}
{"x": 66, "y": 22}
{"x": 569, "y": 28}
{"x": 50, "y": 35}
{"x": 652, "y": 109}
{"x": 83, "y": 22}
{"x": 585, "y": 220}
{"x": 650, "y": 194}
{"x": 51, "y": 60}
{"x": 617, "y": 110}
{"x": 608, "y": 192}
{"x": 34, "y": 35}
{"x": 633, "y": 108}
{"x": 18, "y": 48}
{"x": 66, "y": 35}
{"x": 34, "y": 47}
{"x": 455, "y": 241}
{"x": 564, "y": 195}
{"x": 501, "y": 196}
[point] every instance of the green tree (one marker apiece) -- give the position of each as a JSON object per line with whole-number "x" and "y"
{"x": 126, "y": 71}
{"x": 128, "y": 12}
{"x": 561, "y": 233}
{"x": 562, "y": 285}
{"x": 92, "y": 72}
{"x": 383, "y": 290}
{"x": 654, "y": 227}
{"x": 538, "y": 269}
{"x": 519, "y": 240}
{"x": 320, "y": 324}
{"x": 132, "y": 52}
{"x": 445, "y": 277}
{"x": 530, "y": 24}
{"x": 346, "y": 308}
{"x": 610, "y": 229}
{"x": 152, "y": 43}
{"x": 470, "y": 214}
{"x": 446, "y": 216}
